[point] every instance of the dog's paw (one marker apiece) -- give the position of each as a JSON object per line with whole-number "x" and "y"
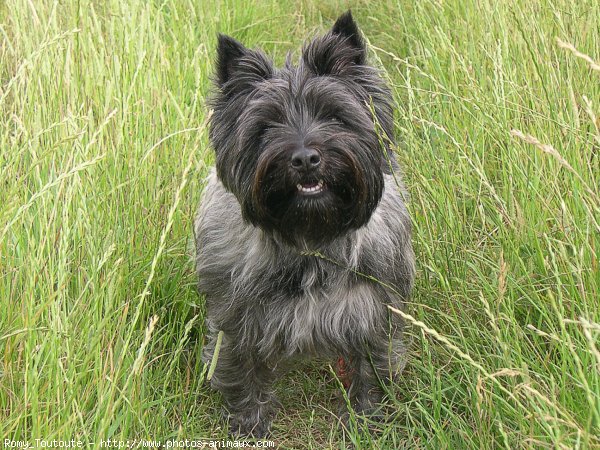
{"x": 366, "y": 405}
{"x": 370, "y": 405}
{"x": 371, "y": 419}
{"x": 254, "y": 424}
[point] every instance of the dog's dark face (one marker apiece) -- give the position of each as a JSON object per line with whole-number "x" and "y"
{"x": 302, "y": 147}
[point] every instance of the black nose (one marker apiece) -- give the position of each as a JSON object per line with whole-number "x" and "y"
{"x": 305, "y": 159}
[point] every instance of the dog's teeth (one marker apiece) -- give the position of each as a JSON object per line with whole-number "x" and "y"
{"x": 310, "y": 189}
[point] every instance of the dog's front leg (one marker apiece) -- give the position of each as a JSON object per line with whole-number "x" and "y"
{"x": 371, "y": 366}
{"x": 246, "y": 384}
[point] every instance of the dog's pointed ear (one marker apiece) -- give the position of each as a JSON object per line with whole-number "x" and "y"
{"x": 337, "y": 51}
{"x": 236, "y": 62}
{"x": 346, "y": 28}
{"x": 229, "y": 52}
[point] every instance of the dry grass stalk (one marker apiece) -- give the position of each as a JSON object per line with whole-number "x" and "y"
{"x": 593, "y": 64}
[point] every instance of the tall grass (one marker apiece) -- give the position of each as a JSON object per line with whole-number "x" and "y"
{"x": 103, "y": 150}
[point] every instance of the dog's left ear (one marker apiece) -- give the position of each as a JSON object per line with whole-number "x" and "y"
{"x": 346, "y": 28}
{"x": 337, "y": 51}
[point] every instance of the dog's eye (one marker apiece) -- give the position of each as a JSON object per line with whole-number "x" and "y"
{"x": 337, "y": 119}
{"x": 261, "y": 130}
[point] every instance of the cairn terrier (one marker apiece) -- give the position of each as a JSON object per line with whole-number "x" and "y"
{"x": 302, "y": 235}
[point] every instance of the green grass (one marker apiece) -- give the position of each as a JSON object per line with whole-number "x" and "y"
{"x": 102, "y": 155}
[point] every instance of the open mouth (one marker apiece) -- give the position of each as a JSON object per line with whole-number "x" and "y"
{"x": 311, "y": 188}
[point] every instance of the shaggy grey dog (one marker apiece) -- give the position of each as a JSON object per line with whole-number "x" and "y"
{"x": 302, "y": 235}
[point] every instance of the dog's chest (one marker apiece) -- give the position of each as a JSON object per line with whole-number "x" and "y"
{"x": 320, "y": 308}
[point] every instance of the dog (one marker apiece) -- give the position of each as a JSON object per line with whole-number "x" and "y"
{"x": 302, "y": 235}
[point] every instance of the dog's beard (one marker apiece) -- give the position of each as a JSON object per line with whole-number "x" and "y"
{"x": 313, "y": 209}
{"x": 308, "y": 219}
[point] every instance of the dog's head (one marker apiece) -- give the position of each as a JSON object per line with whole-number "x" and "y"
{"x": 302, "y": 147}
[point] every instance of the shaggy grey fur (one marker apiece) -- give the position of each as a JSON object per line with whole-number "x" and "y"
{"x": 289, "y": 276}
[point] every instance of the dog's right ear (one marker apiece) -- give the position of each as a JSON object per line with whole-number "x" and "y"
{"x": 229, "y": 52}
{"x": 239, "y": 65}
